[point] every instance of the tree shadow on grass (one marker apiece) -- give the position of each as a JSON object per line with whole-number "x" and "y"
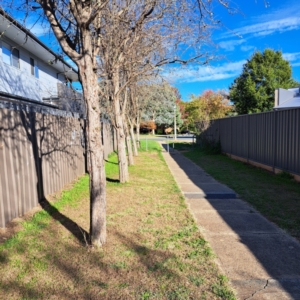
{"x": 153, "y": 260}
{"x": 94, "y": 273}
{"x": 112, "y": 180}
{"x": 78, "y": 232}
{"x": 3, "y": 258}
{"x": 110, "y": 162}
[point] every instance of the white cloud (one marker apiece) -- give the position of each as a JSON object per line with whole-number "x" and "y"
{"x": 38, "y": 28}
{"x": 203, "y": 73}
{"x": 247, "y": 48}
{"x": 291, "y": 56}
{"x": 267, "y": 28}
{"x": 283, "y": 17}
{"x": 230, "y": 45}
{"x": 285, "y": 11}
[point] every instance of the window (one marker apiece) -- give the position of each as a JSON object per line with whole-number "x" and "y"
{"x": 16, "y": 58}
{"x": 10, "y": 56}
{"x": 6, "y": 53}
{"x": 36, "y": 71}
{"x": 34, "y": 68}
{"x": 32, "y": 65}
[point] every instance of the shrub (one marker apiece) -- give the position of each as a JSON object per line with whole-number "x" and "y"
{"x": 209, "y": 146}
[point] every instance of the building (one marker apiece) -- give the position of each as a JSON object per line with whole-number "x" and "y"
{"x": 286, "y": 99}
{"x": 31, "y": 72}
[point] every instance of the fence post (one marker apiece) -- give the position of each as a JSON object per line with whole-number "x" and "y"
{"x": 168, "y": 143}
{"x": 248, "y": 124}
{"x": 275, "y": 140}
{"x": 219, "y": 133}
{"x": 230, "y": 136}
{"x": 146, "y": 143}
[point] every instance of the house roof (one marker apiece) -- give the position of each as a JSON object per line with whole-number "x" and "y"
{"x": 22, "y": 36}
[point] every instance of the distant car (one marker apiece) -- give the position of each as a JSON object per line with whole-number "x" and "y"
{"x": 145, "y": 130}
{"x": 186, "y": 132}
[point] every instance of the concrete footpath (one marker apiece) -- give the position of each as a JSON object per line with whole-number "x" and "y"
{"x": 261, "y": 261}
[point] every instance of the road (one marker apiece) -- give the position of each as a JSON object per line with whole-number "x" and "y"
{"x": 180, "y": 138}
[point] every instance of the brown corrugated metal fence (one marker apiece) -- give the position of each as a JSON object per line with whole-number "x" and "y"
{"x": 39, "y": 154}
{"x": 271, "y": 138}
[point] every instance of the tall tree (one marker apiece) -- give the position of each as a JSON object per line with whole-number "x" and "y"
{"x": 253, "y": 91}
{"x": 183, "y": 113}
{"x": 160, "y": 104}
{"x": 76, "y": 25}
{"x": 208, "y": 106}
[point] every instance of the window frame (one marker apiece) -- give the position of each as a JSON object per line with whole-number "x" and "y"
{"x": 15, "y": 58}
{"x": 34, "y": 69}
{"x": 7, "y": 47}
{"x": 13, "y": 53}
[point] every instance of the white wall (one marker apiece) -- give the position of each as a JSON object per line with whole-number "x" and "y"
{"x": 20, "y": 81}
{"x": 48, "y": 80}
{"x": 284, "y": 95}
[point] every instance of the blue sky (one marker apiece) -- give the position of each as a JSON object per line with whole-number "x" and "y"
{"x": 257, "y": 27}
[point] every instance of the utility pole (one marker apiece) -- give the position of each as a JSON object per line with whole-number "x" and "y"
{"x": 175, "y": 129}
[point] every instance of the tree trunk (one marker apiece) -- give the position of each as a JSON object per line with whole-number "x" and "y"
{"x": 95, "y": 151}
{"x": 135, "y": 151}
{"x": 153, "y": 130}
{"x": 128, "y": 143}
{"x": 122, "y": 157}
{"x": 138, "y": 132}
{"x": 121, "y": 148}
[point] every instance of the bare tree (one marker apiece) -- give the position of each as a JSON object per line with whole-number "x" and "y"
{"x": 76, "y": 25}
{"x": 123, "y": 26}
{"x": 140, "y": 36}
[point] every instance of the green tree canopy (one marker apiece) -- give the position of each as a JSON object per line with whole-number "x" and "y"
{"x": 253, "y": 91}
{"x": 208, "y": 106}
{"x": 159, "y": 102}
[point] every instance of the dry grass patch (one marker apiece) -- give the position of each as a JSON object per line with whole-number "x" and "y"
{"x": 154, "y": 249}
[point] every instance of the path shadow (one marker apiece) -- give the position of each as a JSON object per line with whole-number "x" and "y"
{"x": 277, "y": 252}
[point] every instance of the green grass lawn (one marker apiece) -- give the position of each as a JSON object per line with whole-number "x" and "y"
{"x": 154, "y": 249}
{"x": 277, "y": 197}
